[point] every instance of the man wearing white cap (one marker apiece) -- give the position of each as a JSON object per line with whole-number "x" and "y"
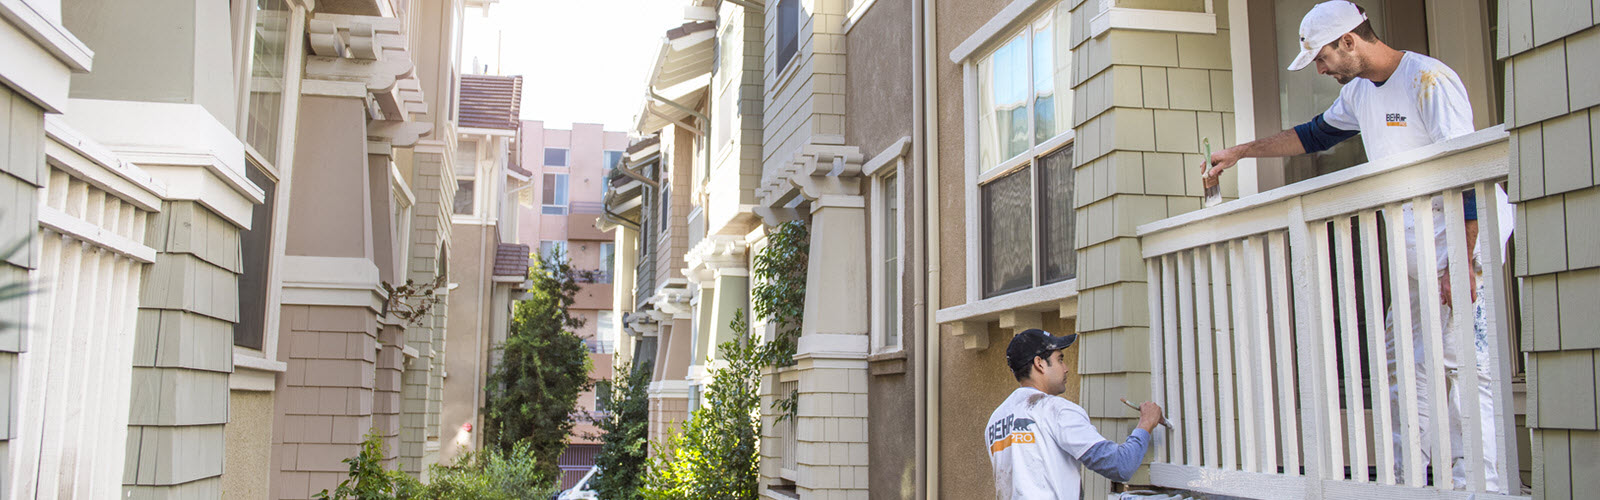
{"x": 1396, "y": 101}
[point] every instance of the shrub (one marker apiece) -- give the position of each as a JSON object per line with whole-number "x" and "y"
{"x": 625, "y": 445}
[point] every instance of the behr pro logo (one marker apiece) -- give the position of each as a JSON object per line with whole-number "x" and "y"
{"x": 1394, "y": 120}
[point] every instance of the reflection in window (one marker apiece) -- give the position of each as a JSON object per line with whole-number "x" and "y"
{"x": 889, "y": 269}
{"x": 464, "y": 197}
{"x": 1058, "y": 260}
{"x": 270, "y": 43}
{"x": 1002, "y": 98}
{"x": 1007, "y": 234}
{"x": 1025, "y": 90}
{"x": 608, "y": 256}
{"x": 555, "y": 194}
{"x": 788, "y": 32}
{"x": 256, "y": 249}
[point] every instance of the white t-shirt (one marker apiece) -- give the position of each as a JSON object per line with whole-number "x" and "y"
{"x": 1423, "y": 102}
{"x": 1035, "y": 441}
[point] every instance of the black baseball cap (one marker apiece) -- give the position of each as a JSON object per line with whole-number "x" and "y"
{"x": 1034, "y": 342}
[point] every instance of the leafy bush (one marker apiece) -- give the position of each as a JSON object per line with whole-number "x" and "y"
{"x": 543, "y": 367}
{"x": 716, "y": 455}
{"x": 485, "y": 475}
{"x": 625, "y": 443}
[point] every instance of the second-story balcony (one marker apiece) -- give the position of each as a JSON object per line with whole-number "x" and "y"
{"x": 1300, "y": 347}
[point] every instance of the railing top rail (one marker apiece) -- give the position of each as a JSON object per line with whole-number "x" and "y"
{"x": 1458, "y": 162}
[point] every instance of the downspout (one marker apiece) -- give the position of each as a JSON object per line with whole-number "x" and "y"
{"x": 919, "y": 302}
{"x": 930, "y": 150}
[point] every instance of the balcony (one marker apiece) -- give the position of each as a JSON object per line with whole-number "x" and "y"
{"x": 1271, "y": 353}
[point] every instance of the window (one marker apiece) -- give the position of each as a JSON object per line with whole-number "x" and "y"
{"x": 1022, "y": 195}
{"x": 555, "y": 194}
{"x": 610, "y": 160}
{"x": 886, "y": 241}
{"x": 602, "y": 392}
{"x": 270, "y": 42}
{"x": 554, "y": 250}
{"x": 555, "y": 157}
{"x": 666, "y": 207}
{"x": 1024, "y": 92}
{"x": 608, "y": 264}
{"x": 256, "y": 251}
{"x": 788, "y": 32}
{"x": 465, "y": 196}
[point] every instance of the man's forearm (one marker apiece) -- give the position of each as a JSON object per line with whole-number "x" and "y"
{"x": 1285, "y": 143}
{"x": 1118, "y": 461}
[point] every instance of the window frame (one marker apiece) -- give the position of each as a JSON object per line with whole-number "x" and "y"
{"x": 880, "y": 286}
{"x": 1022, "y": 24}
{"x": 566, "y": 157}
{"x": 563, "y": 190}
{"x": 566, "y": 254}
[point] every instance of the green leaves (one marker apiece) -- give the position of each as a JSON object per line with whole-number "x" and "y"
{"x": 483, "y": 475}
{"x": 543, "y": 367}
{"x": 625, "y": 445}
{"x": 716, "y": 454}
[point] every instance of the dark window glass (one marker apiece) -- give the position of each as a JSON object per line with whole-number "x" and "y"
{"x": 1058, "y": 260}
{"x": 788, "y": 31}
{"x": 555, "y": 157}
{"x": 611, "y": 159}
{"x": 464, "y": 196}
{"x": 602, "y": 390}
{"x": 256, "y": 244}
{"x": 1007, "y": 241}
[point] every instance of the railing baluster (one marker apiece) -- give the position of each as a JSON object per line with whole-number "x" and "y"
{"x": 1283, "y": 336}
{"x": 1224, "y": 348}
{"x": 1495, "y": 304}
{"x": 1191, "y": 376}
{"x": 1243, "y": 356}
{"x": 1204, "y": 335}
{"x": 1433, "y": 341}
{"x": 1464, "y": 333}
{"x": 1261, "y": 326}
{"x": 1325, "y": 365}
{"x": 1154, "y": 285}
{"x": 1403, "y": 335}
{"x": 1350, "y": 332}
{"x": 1174, "y": 410}
{"x": 1377, "y": 360}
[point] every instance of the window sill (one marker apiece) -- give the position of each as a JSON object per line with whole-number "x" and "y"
{"x": 1013, "y": 311}
{"x": 887, "y": 363}
{"x": 784, "y": 76}
{"x": 252, "y": 372}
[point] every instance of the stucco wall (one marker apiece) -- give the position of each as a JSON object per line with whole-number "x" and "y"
{"x": 465, "y": 343}
{"x": 878, "y": 78}
{"x": 247, "y": 466}
{"x": 1548, "y": 48}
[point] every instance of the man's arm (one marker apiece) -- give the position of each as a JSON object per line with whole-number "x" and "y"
{"x": 1118, "y": 461}
{"x": 1285, "y": 143}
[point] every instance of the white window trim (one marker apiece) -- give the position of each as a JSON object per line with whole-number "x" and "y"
{"x": 854, "y": 16}
{"x": 889, "y": 162}
{"x": 1006, "y": 25}
{"x": 783, "y": 75}
{"x": 404, "y": 200}
{"x": 247, "y": 360}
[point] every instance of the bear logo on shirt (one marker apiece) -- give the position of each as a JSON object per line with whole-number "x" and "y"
{"x": 1007, "y": 431}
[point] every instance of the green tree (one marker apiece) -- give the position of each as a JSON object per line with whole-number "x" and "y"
{"x": 716, "y": 455}
{"x": 369, "y": 480}
{"x": 625, "y": 443}
{"x": 481, "y": 475}
{"x": 542, "y": 369}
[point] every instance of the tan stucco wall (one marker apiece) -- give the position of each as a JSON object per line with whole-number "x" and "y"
{"x": 466, "y": 345}
{"x": 247, "y": 466}
{"x": 170, "y": 51}
{"x": 1548, "y": 48}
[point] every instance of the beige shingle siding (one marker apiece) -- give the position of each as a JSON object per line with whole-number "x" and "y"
{"x": 1551, "y": 96}
{"x": 1142, "y": 102}
{"x": 21, "y": 160}
{"x": 183, "y": 352}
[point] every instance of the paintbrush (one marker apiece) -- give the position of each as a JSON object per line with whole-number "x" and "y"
{"x": 1213, "y": 185}
{"x": 1164, "y": 422}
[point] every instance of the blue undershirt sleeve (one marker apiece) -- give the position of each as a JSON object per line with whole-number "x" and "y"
{"x": 1317, "y": 135}
{"x": 1117, "y": 461}
{"x": 1469, "y": 199}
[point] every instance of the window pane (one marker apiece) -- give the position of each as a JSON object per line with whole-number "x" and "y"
{"x": 608, "y": 256}
{"x": 611, "y": 159}
{"x": 1058, "y": 259}
{"x": 467, "y": 159}
{"x": 256, "y": 247}
{"x": 891, "y": 259}
{"x": 464, "y": 198}
{"x": 270, "y": 43}
{"x": 553, "y": 249}
{"x": 1003, "y": 104}
{"x": 788, "y": 31}
{"x": 1007, "y": 240}
{"x": 1044, "y": 89}
{"x": 1061, "y": 68}
{"x": 555, "y": 157}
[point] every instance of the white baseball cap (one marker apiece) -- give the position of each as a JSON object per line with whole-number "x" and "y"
{"x": 1325, "y": 23}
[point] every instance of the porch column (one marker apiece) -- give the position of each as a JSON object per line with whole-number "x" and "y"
{"x": 1147, "y": 95}
{"x": 831, "y": 357}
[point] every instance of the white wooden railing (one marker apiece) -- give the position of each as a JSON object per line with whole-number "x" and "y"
{"x": 1267, "y": 312}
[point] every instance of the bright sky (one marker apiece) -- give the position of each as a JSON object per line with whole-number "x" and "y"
{"x": 581, "y": 61}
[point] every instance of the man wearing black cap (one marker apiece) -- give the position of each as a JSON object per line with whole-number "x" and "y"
{"x": 1037, "y": 439}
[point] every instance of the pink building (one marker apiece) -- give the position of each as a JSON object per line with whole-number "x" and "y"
{"x": 558, "y": 214}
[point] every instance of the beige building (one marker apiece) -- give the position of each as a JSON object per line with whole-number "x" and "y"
{"x": 208, "y": 324}
{"x": 557, "y": 213}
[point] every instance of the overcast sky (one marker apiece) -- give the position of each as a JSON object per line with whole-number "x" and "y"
{"x": 581, "y": 61}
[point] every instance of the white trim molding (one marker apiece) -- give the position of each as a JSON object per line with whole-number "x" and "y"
{"x": 40, "y": 55}
{"x": 1014, "y": 311}
{"x": 1154, "y": 20}
{"x": 331, "y": 281}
